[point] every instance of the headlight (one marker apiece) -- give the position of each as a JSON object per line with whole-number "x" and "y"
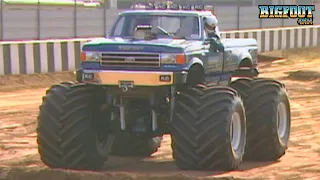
{"x": 172, "y": 58}
{"x": 168, "y": 58}
{"x": 90, "y": 56}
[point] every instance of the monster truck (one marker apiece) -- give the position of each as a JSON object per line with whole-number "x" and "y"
{"x": 158, "y": 73}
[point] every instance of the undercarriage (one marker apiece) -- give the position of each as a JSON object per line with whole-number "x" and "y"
{"x": 212, "y": 127}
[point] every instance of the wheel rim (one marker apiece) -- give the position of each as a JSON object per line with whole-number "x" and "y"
{"x": 282, "y": 120}
{"x": 235, "y": 131}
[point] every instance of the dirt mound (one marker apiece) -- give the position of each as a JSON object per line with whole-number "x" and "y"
{"x": 41, "y": 174}
{"x": 266, "y": 58}
{"x": 304, "y": 75}
{"x": 296, "y": 54}
{"x": 19, "y": 82}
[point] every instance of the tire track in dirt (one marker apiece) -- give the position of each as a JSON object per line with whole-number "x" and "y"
{"x": 18, "y": 112}
{"x": 19, "y": 109}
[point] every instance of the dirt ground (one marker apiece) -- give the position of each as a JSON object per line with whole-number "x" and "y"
{"x": 20, "y": 97}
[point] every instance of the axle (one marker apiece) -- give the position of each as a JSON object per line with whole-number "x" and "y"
{"x": 141, "y": 114}
{"x": 122, "y": 104}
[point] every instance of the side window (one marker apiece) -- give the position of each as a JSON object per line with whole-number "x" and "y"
{"x": 119, "y": 27}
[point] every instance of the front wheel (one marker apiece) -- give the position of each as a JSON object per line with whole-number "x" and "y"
{"x": 208, "y": 129}
{"x": 71, "y": 131}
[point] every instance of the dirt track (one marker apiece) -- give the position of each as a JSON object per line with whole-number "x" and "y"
{"x": 21, "y": 96}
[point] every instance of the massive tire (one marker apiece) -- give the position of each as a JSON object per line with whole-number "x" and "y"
{"x": 208, "y": 129}
{"x": 268, "y": 118}
{"x": 128, "y": 144}
{"x": 71, "y": 129}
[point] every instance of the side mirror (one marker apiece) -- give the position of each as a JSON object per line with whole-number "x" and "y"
{"x": 207, "y": 41}
{"x": 212, "y": 38}
{"x": 214, "y": 35}
{"x": 215, "y": 46}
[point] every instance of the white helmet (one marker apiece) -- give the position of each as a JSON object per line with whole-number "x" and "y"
{"x": 211, "y": 23}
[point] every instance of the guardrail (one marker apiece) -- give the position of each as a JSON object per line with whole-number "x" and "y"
{"x": 31, "y": 57}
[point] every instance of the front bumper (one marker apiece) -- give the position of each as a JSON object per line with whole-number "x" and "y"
{"x": 139, "y": 78}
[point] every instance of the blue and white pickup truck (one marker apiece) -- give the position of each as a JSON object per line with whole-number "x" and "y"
{"x": 187, "y": 40}
{"x": 159, "y": 73}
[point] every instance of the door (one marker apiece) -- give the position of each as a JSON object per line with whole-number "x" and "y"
{"x": 213, "y": 64}
{"x": 230, "y": 60}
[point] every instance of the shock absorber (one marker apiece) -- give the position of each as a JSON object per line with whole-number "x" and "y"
{"x": 172, "y": 101}
{"x": 122, "y": 115}
{"x": 153, "y": 113}
{"x": 116, "y": 102}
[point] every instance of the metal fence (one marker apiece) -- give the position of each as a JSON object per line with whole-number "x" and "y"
{"x": 39, "y": 21}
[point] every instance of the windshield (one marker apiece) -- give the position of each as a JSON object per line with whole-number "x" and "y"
{"x": 164, "y": 26}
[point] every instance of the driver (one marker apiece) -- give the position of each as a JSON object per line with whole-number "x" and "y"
{"x": 211, "y": 28}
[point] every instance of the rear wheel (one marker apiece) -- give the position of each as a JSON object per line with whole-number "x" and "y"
{"x": 208, "y": 129}
{"x": 268, "y": 118}
{"x": 71, "y": 129}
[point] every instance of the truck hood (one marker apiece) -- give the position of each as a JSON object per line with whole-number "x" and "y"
{"x": 127, "y": 45}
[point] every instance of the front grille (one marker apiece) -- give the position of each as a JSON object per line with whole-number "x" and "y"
{"x": 130, "y": 59}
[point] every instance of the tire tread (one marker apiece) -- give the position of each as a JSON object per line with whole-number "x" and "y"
{"x": 259, "y": 95}
{"x": 199, "y": 143}
{"x": 64, "y": 133}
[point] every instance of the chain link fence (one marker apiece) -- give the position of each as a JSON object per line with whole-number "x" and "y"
{"x": 34, "y": 19}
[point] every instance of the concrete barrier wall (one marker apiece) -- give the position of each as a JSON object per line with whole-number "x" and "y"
{"x": 19, "y": 22}
{"x": 63, "y": 55}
